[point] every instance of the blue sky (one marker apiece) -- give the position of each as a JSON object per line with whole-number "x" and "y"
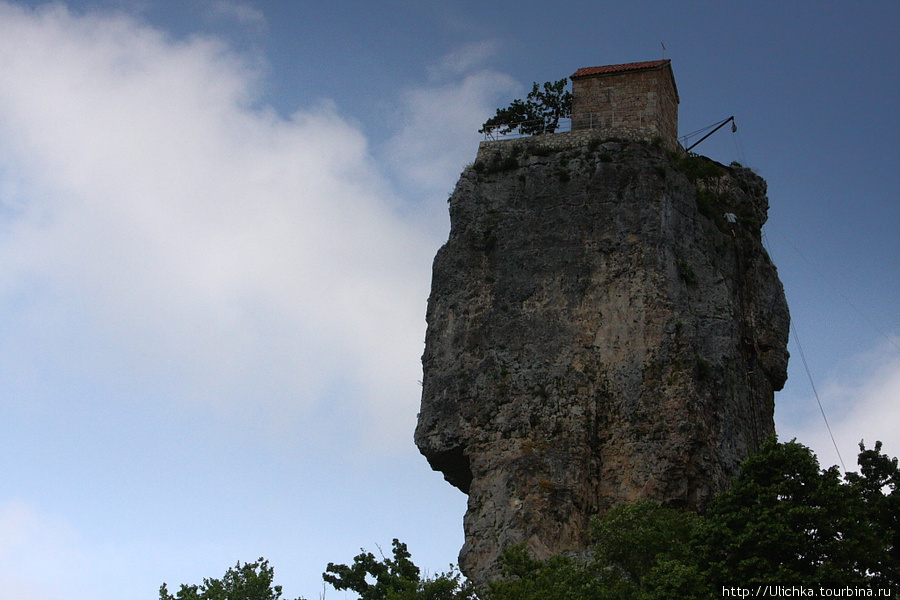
{"x": 217, "y": 219}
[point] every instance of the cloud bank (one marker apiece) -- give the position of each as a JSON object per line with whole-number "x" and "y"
{"x": 861, "y": 404}
{"x": 190, "y": 280}
{"x": 441, "y": 118}
{"x": 164, "y": 233}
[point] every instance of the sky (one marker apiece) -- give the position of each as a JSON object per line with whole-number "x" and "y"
{"x": 217, "y": 221}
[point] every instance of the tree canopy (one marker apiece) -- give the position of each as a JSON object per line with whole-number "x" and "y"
{"x": 540, "y": 112}
{"x": 250, "y": 581}
{"x": 784, "y": 521}
{"x": 395, "y": 578}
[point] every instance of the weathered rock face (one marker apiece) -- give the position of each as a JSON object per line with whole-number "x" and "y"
{"x": 598, "y": 332}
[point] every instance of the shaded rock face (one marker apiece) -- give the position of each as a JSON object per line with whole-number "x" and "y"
{"x": 598, "y": 332}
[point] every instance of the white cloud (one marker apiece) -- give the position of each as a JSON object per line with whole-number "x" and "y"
{"x": 159, "y": 231}
{"x": 440, "y": 131}
{"x": 862, "y": 403}
{"x": 871, "y": 404}
{"x": 463, "y": 61}
{"x": 241, "y": 13}
{"x": 167, "y": 240}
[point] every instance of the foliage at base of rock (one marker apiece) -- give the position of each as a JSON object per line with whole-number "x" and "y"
{"x": 786, "y": 520}
{"x": 250, "y": 581}
{"x": 395, "y": 578}
{"x": 783, "y": 522}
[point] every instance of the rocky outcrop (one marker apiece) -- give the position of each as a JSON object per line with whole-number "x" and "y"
{"x": 598, "y": 331}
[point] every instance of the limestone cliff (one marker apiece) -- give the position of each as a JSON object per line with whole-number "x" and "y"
{"x": 598, "y": 331}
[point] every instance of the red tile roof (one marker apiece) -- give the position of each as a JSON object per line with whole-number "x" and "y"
{"x": 635, "y": 66}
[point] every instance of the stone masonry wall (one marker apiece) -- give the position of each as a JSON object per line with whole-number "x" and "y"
{"x": 551, "y": 141}
{"x": 640, "y": 104}
{"x": 494, "y": 149}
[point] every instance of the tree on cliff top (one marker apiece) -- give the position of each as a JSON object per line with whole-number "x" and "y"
{"x": 540, "y": 112}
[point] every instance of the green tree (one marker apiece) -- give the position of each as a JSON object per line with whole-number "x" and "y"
{"x": 786, "y": 520}
{"x": 640, "y": 551}
{"x": 878, "y": 482}
{"x": 649, "y": 549}
{"x": 557, "y": 578}
{"x": 540, "y": 112}
{"x": 251, "y": 581}
{"x": 635, "y": 537}
{"x": 396, "y": 578}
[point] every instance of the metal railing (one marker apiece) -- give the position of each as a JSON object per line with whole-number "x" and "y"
{"x": 514, "y": 130}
